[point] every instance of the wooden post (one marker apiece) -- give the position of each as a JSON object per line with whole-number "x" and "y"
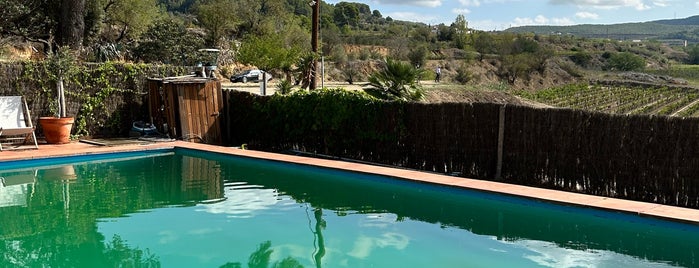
{"x": 501, "y": 140}
{"x": 314, "y": 43}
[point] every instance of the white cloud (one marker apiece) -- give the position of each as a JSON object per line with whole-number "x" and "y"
{"x": 661, "y": 3}
{"x": 541, "y": 20}
{"x": 470, "y": 3}
{"x": 412, "y": 16}
{"x": 488, "y": 25}
{"x": 587, "y": 15}
{"x": 423, "y": 3}
{"x": 461, "y": 11}
{"x": 605, "y": 4}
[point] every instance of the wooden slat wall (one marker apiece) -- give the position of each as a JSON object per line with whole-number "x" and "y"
{"x": 192, "y": 108}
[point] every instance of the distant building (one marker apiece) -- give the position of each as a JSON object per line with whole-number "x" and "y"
{"x": 674, "y": 42}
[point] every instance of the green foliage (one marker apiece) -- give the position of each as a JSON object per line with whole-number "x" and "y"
{"x": 214, "y": 15}
{"x": 261, "y": 17}
{"x": 520, "y": 56}
{"x": 350, "y": 72}
{"x": 571, "y": 69}
{"x": 623, "y": 31}
{"x": 516, "y": 66}
{"x": 693, "y": 52}
{"x": 463, "y": 75}
{"x": 169, "y": 42}
{"x": 33, "y": 20}
{"x": 460, "y": 32}
{"x": 60, "y": 66}
{"x": 625, "y": 61}
{"x": 484, "y": 43}
{"x": 418, "y": 56}
{"x": 581, "y": 58}
{"x": 346, "y": 14}
{"x": 396, "y": 81}
{"x": 352, "y": 118}
{"x": 120, "y": 254}
{"x": 620, "y": 99}
{"x": 130, "y": 18}
{"x": 284, "y": 87}
{"x": 261, "y": 258}
{"x": 101, "y": 96}
{"x": 104, "y": 52}
{"x": 268, "y": 52}
{"x": 689, "y": 72}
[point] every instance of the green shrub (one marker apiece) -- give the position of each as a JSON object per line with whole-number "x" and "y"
{"x": 581, "y": 58}
{"x": 284, "y": 87}
{"x": 463, "y": 75}
{"x": 625, "y": 61}
{"x": 418, "y": 56}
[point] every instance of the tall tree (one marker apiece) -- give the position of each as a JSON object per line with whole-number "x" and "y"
{"x": 693, "y": 52}
{"x": 346, "y": 14}
{"x": 129, "y": 18}
{"x": 484, "y": 43}
{"x": 460, "y": 31}
{"x": 216, "y": 17}
{"x": 168, "y": 41}
{"x": 268, "y": 52}
{"x": 261, "y": 17}
{"x": 71, "y": 24}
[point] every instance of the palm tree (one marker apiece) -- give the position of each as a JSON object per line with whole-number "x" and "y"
{"x": 396, "y": 81}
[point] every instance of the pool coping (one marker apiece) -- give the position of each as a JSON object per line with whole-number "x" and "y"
{"x": 665, "y": 212}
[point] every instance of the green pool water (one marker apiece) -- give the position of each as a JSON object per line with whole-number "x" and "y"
{"x": 186, "y": 208}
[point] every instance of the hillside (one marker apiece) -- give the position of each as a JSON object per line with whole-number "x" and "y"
{"x": 355, "y": 41}
{"x": 684, "y": 29}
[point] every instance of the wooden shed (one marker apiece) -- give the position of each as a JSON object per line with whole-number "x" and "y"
{"x": 187, "y": 108}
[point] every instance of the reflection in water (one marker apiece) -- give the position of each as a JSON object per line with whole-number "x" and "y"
{"x": 261, "y": 259}
{"x": 244, "y": 201}
{"x": 186, "y": 211}
{"x": 319, "y": 241}
{"x": 119, "y": 254}
{"x": 16, "y": 188}
{"x": 365, "y": 245}
{"x": 548, "y": 254}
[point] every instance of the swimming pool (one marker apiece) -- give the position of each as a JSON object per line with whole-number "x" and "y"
{"x": 186, "y": 208}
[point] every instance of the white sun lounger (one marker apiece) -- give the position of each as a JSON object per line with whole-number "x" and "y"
{"x": 15, "y": 121}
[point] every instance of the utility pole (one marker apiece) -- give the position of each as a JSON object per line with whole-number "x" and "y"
{"x": 314, "y": 42}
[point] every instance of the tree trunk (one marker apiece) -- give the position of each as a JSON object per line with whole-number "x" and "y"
{"x": 71, "y": 24}
{"x": 61, "y": 98}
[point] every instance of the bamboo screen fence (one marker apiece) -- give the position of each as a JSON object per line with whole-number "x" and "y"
{"x": 645, "y": 158}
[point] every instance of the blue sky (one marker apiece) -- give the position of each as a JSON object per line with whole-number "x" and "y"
{"x": 502, "y": 14}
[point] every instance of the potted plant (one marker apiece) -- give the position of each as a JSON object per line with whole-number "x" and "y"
{"x": 57, "y": 128}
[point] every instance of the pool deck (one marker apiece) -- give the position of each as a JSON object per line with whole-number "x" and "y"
{"x": 640, "y": 208}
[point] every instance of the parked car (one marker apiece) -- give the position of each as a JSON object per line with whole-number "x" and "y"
{"x": 253, "y": 75}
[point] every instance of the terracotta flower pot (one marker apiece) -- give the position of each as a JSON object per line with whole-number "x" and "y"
{"x": 57, "y": 129}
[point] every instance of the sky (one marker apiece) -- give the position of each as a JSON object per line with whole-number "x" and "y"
{"x": 490, "y": 15}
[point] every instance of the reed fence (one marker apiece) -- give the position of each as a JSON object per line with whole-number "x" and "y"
{"x": 644, "y": 158}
